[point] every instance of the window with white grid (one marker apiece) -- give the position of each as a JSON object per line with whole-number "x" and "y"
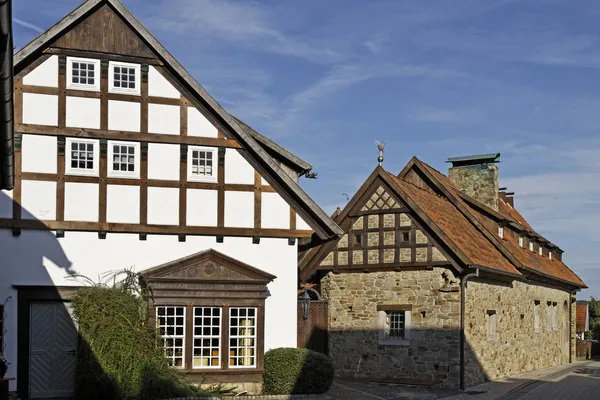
{"x": 395, "y": 325}
{"x": 124, "y": 78}
{"x": 170, "y": 321}
{"x": 207, "y": 337}
{"x": 83, "y": 74}
{"x": 202, "y": 164}
{"x": 242, "y": 337}
{"x": 124, "y": 159}
{"x": 81, "y": 157}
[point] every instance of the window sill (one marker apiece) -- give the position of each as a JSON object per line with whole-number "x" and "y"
{"x": 93, "y": 173}
{"x": 390, "y": 342}
{"x": 210, "y": 179}
{"x": 122, "y": 91}
{"x": 112, "y": 174}
{"x": 83, "y": 87}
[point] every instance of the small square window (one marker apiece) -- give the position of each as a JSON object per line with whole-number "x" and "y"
{"x": 202, "y": 164}
{"x": 123, "y": 159}
{"x": 404, "y": 237}
{"x": 82, "y": 157}
{"x": 357, "y": 239}
{"x": 124, "y": 78}
{"x": 394, "y": 325}
{"x": 82, "y": 74}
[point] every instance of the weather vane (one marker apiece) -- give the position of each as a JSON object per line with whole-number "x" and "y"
{"x": 380, "y": 146}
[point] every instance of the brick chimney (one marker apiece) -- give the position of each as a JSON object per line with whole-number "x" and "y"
{"x": 477, "y": 176}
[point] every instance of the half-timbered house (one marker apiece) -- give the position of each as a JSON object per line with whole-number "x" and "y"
{"x": 123, "y": 161}
{"x": 399, "y": 305}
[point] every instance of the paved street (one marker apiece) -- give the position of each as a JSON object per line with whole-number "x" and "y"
{"x": 580, "y": 381}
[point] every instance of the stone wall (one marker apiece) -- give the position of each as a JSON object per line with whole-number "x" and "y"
{"x": 433, "y": 349}
{"x": 515, "y": 345}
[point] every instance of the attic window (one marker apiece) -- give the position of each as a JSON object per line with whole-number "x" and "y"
{"x": 405, "y": 237}
{"x": 501, "y": 231}
{"x": 357, "y": 239}
{"x": 550, "y": 255}
{"x": 82, "y": 157}
{"x": 531, "y": 246}
{"x": 202, "y": 164}
{"x": 521, "y": 241}
{"x": 124, "y": 159}
{"x": 83, "y": 74}
{"x": 540, "y": 250}
{"x": 124, "y": 78}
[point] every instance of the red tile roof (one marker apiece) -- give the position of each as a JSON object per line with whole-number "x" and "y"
{"x": 581, "y": 317}
{"x": 542, "y": 264}
{"x": 457, "y": 228}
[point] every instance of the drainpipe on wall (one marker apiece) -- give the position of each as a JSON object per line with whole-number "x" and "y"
{"x": 6, "y": 96}
{"x": 463, "y": 286}
{"x": 571, "y": 325}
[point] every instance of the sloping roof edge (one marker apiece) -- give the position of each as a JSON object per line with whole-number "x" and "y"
{"x": 289, "y": 190}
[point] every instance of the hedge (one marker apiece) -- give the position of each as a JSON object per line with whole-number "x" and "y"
{"x": 296, "y": 371}
{"x": 118, "y": 357}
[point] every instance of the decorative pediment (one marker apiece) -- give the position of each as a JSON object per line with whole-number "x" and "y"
{"x": 208, "y": 265}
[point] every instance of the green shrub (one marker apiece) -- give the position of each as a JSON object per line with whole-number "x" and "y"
{"x": 118, "y": 356}
{"x": 296, "y": 371}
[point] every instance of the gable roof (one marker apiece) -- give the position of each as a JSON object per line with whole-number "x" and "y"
{"x": 458, "y": 222}
{"x": 324, "y": 227}
{"x": 521, "y": 258}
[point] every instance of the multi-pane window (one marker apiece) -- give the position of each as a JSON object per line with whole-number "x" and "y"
{"x": 83, "y": 74}
{"x": 207, "y": 337}
{"x": 170, "y": 322}
{"x": 124, "y": 78}
{"x": 242, "y": 337}
{"x": 82, "y": 156}
{"x": 124, "y": 159}
{"x": 395, "y": 327}
{"x": 202, "y": 164}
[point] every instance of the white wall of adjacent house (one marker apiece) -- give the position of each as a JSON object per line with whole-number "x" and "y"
{"x": 40, "y": 258}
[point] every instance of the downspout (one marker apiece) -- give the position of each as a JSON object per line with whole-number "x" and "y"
{"x": 463, "y": 286}
{"x": 571, "y": 325}
{"x": 6, "y": 97}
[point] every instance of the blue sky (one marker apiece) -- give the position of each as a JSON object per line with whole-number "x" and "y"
{"x": 435, "y": 79}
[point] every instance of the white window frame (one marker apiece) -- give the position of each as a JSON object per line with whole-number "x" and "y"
{"x": 182, "y": 337}
{"x": 111, "y": 173}
{"x": 215, "y": 167}
{"x": 541, "y": 251}
{"x": 78, "y": 86}
{"x": 501, "y": 231}
{"x": 550, "y": 255}
{"x": 209, "y": 337}
{"x": 111, "y": 78}
{"x": 521, "y": 241}
{"x": 385, "y": 341}
{"x": 84, "y": 172}
{"x": 531, "y": 248}
{"x": 242, "y": 337}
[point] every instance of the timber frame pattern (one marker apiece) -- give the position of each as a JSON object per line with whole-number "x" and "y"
{"x": 82, "y": 33}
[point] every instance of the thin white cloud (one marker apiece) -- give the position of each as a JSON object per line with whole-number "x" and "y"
{"x": 28, "y": 25}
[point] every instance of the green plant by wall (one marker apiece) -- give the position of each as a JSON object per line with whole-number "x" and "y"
{"x": 296, "y": 371}
{"x": 118, "y": 357}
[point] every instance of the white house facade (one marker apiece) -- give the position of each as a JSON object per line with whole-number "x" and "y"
{"x": 123, "y": 161}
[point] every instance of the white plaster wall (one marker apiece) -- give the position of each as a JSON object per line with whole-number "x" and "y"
{"x": 81, "y": 201}
{"x": 40, "y": 109}
{"x": 164, "y": 161}
{"x": 159, "y": 86}
{"x": 123, "y": 204}
{"x": 82, "y": 112}
{"x": 198, "y": 125}
{"x": 237, "y": 169}
{"x": 163, "y": 118}
{"x": 6, "y": 204}
{"x": 124, "y": 116}
{"x": 275, "y": 212}
{"x": 39, "y": 154}
{"x": 239, "y": 209}
{"x": 301, "y": 225}
{"x": 38, "y": 200}
{"x": 46, "y": 74}
{"x": 39, "y": 258}
{"x": 201, "y": 207}
{"x": 264, "y": 182}
{"x": 163, "y": 206}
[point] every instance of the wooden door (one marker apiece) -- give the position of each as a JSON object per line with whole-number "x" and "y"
{"x": 312, "y": 333}
{"x": 52, "y": 351}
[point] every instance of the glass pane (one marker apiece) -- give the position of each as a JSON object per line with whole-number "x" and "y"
{"x": 75, "y": 79}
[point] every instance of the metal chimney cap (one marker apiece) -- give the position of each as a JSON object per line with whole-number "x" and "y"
{"x": 475, "y": 159}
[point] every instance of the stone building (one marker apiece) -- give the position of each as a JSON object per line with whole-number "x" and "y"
{"x": 439, "y": 280}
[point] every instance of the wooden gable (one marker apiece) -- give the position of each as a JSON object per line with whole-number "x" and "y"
{"x": 104, "y": 31}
